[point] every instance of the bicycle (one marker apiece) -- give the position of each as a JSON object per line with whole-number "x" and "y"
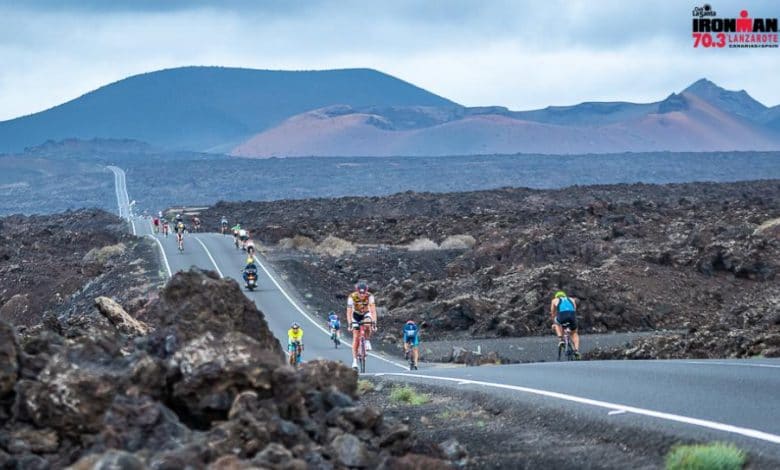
{"x": 409, "y": 356}
{"x": 361, "y": 352}
{"x": 567, "y": 347}
{"x": 295, "y": 357}
{"x": 180, "y": 242}
{"x": 334, "y": 336}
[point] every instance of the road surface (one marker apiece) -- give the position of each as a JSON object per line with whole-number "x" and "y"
{"x": 729, "y": 400}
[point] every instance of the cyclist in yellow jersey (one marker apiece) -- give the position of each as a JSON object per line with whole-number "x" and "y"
{"x": 294, "y": 338}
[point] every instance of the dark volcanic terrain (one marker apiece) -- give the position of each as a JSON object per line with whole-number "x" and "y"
{"x": 101, "y": 368}
{"x": 702, "y": 258}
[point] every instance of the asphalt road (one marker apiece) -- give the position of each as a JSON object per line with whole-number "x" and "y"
{"x": 727, "y": 400}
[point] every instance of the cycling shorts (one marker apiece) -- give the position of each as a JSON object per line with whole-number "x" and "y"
{"x": 358, "y": 318}
{"x": 414, "y": 339}
{"x": 567, "y": 319}
{"x": 335, "y": 325}
{"x": 291, "y": 347}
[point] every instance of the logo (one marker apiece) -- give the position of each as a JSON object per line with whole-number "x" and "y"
{"x": 711, "y": 31}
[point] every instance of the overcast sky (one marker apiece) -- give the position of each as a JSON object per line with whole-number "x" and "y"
{"x": 519, "y": 54}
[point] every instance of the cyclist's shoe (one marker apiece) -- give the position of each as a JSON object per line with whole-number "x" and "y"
{"x": 354, "y": 364}
{"x": 561, "y": 345}
{"x": 414, "y": 367}
{"x": 368, "y": 345}
{"x": 577, "y": 356}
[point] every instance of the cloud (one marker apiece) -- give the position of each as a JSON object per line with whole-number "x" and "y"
{"x": 518, "y": 54}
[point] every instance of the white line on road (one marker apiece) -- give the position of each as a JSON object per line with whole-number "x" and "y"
{"x": 208, "y": 253}
{"x": 313, "y": 322}
{"x": 753, "y": 433}
{"x": 738, "y": 364}
{"x": 162, "y": 250}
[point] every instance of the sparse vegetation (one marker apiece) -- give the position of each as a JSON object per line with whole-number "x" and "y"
{"x": 335, "y": 246}
{"x": 365, "y": 386}
{"x": 408, "y": 395}
{"x": 298, "y": 242}
{"x": 715, "y": 456}
{"x": 423, "y": 244}
{"x": 458, "y": 242}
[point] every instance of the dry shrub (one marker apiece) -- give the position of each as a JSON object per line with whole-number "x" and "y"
{"x": 423, "y": 244}
{"x": 101, "y": 255}
{"x": 298, "y": 242}
{"x": 335, "y": 246}
{"x": 458, "y": 242}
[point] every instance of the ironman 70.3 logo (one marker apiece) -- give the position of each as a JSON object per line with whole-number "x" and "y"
{"x": 711, "y": 31}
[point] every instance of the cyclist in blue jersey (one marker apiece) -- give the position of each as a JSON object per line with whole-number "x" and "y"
{"x": 334, "y": 326}
{"x": 563, "y": 312}
{"x": 412, "y": 341}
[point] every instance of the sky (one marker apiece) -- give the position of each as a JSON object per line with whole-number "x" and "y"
{"x": 514, "y": 53}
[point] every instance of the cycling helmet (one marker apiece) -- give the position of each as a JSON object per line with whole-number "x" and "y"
{"x": 295, "y": 325}
{"x": 560, "y": 294}
{"x": 331, "y": 313}
{"x": 361, "y": 287}
{"x": 410, "y": 322}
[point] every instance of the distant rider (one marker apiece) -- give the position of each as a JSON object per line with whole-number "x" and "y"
{"x": 166, "y": 227}
{"x": 294, "y": 338}
{"x": 235, "y": 230}
{"x": 196, "y": 223}
{"x": 412, "y": 341}
{"x": 178, "y": 219}
{"x": 250, "y": 247}
{"x": 563, "y": 312}
{"x": 180, "y": 229}
{"x": 223, "y": 225}
{"x": 334, "y": 325}
{"x": 243, "y": 236}
{"x": 361, "y": 306}
{"x": 156, "y": 223}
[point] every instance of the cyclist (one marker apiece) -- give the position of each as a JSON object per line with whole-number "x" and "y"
{"x": 243, "y": 236}
{"x": 166, "y": 227}
{"x": 235, "y": 230}
{"x": 412, "y": 341}
{"x": 224, "y": 225}
{"x": 156, "y": 223}
{"x": 180, "y": 229}
{"x": 294, "y": 339}
{"x": 250, "y": 247}
{"x": 563, "y": 312}
{"x": 334, "y": 325}
{"x": 196, "y": 223}
{"x": 178, "y": 219}
{"x": 361, "y": 306}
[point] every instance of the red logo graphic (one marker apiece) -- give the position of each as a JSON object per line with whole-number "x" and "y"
{"x": 742, "y": 32}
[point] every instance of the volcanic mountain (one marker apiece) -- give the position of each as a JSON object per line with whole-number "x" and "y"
{"x": 703, "y": 117}
{"x": 207, "y": 108}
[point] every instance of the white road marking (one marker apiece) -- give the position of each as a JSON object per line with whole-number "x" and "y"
{"x": 753, "y": 433}
{"x": 616, "y": 412}
{"x": 208, "y": 253}
{"x": 132, "y": 224}
{"x": 162, "y": 250}
{"x": 738, "y": 364}
{"x": 313, "y": 322}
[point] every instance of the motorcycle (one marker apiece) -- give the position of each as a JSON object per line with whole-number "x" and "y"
{"x": 251, "y": 281}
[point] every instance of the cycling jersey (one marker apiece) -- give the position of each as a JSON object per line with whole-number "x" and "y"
{"x": 411, "y": 334}
{"x": 333, "y": 321}
{"x": 360, "y": 304}
{"x": 294, "y": 336}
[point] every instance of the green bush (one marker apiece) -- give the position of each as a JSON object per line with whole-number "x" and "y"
{"x": 715, "y": 456}
{"x": 408, "y": 395}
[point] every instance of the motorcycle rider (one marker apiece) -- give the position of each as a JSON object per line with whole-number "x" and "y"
{"x": 250, "y": 268}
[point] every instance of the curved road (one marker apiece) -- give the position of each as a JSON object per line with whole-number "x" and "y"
{"x": 731, "y": 400}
